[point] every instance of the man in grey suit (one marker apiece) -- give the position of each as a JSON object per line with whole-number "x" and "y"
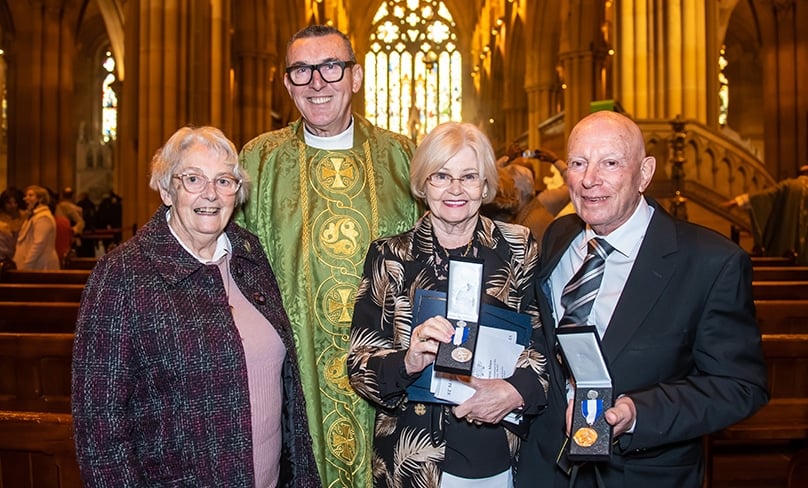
{"x": 674, "y": 312}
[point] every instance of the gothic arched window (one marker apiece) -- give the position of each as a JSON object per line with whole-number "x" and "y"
{"x": 413, "y": 68}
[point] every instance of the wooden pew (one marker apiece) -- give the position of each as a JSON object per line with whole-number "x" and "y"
{"x": 786, "y": 415}
{"x": 780, "y": 273}
{"x": 782, "y": 316}
{"x": 780, "y": 290}
{"x": 38, "y": 316}
{"x": 62, "y": 276}
{"x": 773, "y": 261}
{"x": 37, "y": 451}
{"x": 35, "y": 371}
{"x": 772, "y": 436}
{"x": 27, "y": 292}
{"x": 80, "y": 263}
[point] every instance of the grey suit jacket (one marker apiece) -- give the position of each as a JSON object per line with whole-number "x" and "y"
{"x": 683, "y": 343}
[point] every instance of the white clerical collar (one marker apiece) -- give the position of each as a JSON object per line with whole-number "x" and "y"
{"x": 337, "y": 142}
{"x": 223, "y": 245}
{"x": 625, "y": 238}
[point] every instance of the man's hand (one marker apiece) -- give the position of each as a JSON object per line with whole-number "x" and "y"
{"x": 622, "y": 416}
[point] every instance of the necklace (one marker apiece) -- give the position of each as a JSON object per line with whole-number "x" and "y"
{"x": 465, "y": 252}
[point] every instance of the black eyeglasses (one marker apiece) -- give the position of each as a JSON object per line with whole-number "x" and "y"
{"x": 330, "y": 72}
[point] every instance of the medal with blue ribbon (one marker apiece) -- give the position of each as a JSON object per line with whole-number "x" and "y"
{"x": 592, "y": 407}
{"x": 461, "y": 333}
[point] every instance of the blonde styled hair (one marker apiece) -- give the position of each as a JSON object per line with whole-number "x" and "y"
{"x": 444, "y": 142}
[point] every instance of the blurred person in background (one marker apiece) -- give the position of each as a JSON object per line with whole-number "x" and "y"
{"x": 36, "y": 242}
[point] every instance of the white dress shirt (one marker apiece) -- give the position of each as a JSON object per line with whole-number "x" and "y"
{"x": 626, "y": 241}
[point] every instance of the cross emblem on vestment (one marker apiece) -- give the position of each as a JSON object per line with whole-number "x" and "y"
{"x": 337, "y": 172}
{"x": 341, "y": 305}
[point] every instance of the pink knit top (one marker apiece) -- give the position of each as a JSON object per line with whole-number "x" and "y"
{"x": 264, "y": 353}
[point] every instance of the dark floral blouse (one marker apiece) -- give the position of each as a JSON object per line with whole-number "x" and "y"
{"x": 415, "y": 442}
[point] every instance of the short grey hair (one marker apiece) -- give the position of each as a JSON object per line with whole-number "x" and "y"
{"x": 168, "y": 158}
{"x": 321, "y": 31}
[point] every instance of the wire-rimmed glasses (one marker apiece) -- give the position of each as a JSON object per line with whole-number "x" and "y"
{"x": 196, "y": 183}
{"x": 445, "y": 180}
{"x": 330, "y": 72}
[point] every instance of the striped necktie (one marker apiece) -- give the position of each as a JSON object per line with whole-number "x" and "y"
{"x": 580, "y": 292}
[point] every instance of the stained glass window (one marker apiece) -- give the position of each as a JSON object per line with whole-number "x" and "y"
{"x": 109, "y": 100}
{"x": 413, "y": 68}
{"x": 723, "y": 88}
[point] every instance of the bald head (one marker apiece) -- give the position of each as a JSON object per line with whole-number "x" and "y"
{"x": 625, "y": 131}
{"x": 608, "y": 169}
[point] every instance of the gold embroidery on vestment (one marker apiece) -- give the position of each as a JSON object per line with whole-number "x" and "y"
{"x": 336, "y": 173}
{"x": 340, "y": 304}
{"x": 336, "y": 374}
{"x": 342, "y": 440}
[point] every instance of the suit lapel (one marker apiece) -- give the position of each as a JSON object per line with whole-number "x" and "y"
{"x": 652, "y": 271}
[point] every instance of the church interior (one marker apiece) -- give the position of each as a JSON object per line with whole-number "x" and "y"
{"x": 92, "y": 88}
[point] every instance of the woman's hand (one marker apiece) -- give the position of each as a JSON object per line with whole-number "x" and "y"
{"x": 424, "y": 343}
{"x": 491, "y": 402}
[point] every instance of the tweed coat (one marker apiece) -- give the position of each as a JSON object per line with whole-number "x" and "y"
{"x": 160, "y": 393}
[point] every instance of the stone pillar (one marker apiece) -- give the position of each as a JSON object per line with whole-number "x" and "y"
{"x": 784, "y": 50}
{"x": 177, "y": 73}
{"x": 666, "y": 58}
{"x": 40, "y": 58}
{"x": 515, "y": 123}
{"x": 255, "y": 68}
{"x": 582, "y": 53}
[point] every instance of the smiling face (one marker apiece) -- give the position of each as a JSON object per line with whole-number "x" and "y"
{"x": 607, "y": 170}
{"x": 456, "y": 206}
{"x": 326, "y": 107}
{"x": 31, "y": 199}
{"x": 198, "y": 219}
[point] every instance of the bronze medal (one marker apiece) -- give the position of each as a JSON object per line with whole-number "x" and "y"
{"x": 461, "y": 355}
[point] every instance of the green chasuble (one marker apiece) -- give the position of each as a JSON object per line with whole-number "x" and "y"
{"x": 316, "y": 212}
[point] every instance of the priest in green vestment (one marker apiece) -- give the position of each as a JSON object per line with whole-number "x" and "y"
{"x": 779, "y": 217}
{"x": 324, "y": 188}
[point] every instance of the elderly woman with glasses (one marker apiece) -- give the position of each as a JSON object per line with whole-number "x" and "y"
{"x": 184, "y": 367}
{"x": 427, "y": 443}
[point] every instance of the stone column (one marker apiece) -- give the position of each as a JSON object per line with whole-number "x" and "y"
{"x": 255, "y": 62}
{"x": 666, "y": 58}
{"x": 582, "y": 53}
{"x": 784, "y": 64}
{"x": 40, "y": 58}
{"x": 177, "y": 73}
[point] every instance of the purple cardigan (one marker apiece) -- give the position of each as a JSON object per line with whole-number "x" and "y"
{"x": 160, "y": 393}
